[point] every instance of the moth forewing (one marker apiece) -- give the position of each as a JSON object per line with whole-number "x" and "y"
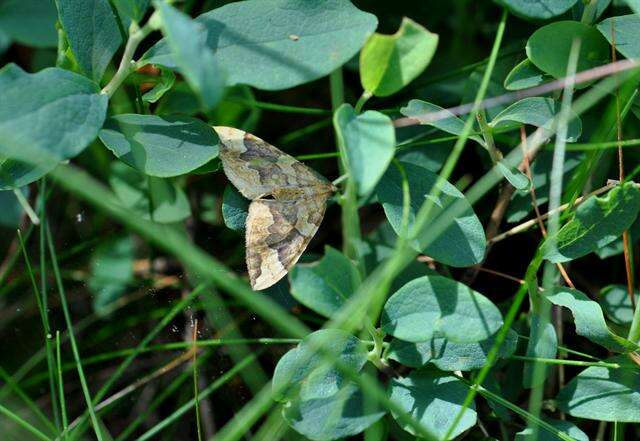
{"x": 278, "y": 230}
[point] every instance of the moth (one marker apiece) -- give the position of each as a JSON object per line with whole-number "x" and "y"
{"x": 288, "y": 201}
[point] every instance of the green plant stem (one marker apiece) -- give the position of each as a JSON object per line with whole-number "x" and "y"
{"x": 278, "y": 107}
{"x": 140, "y": 348}
{"x": 550, "y": 270}
{"x": 194, "y": 366}
{"x": 127, "y": 65}
{"x": 362, "y": 101}
{"x": 45, "y": 327}
{"x": 74, "y": 346}
{"x": 26, "y": 207}
{"x": 487, "y": 135}
{"x": 523, "y": 413}
{"x": 560, "y": 361}
{"x": 349, "y": 197}
{"x": 63, "y": 406}
{"x": 24, "y": 424}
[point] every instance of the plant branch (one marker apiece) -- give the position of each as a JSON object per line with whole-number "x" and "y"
{"x": 127, "y": 65}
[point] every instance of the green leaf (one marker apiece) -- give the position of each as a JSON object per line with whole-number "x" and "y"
{"x": 92, "y": 31}
{"x": 160, "y": 200}
{"x": 634, "y": 5}
{"x": 278, "y": 44}
{"x": 30, "y": 22}
{"x": 10, "y": 210}
{"x": 195, "y": 60}
{"x": 160, "y": 146}
{"x": 111, "y": 271}
{"x": 434, "y": 399}
{"x": 597, "y": 222}
{"x": 461, "y": 244}
{"x": 588, "y": 318}
{"x": 515, "y": 177}
{"x": 379, "y": 246}
{"x": 525, "y": 75}
{"x": 369, "y": 141}
{"x": 162, "y": 85}
{"x": 16, "y": 174}
{"x": 133, "y": 9}
{"x": 447, "y": 355}
{"x": 543, "y": 343}
{"x": 324, "y": 286}
{"x": 448, "y": 122}
{"x": 47, "y": 116}
{"x": 179, "y": 99}
{"x": 307, "y": 372}
{"x": 235, "y": 208}
{"x": 390, "y": 62}
{"x": 538, "y": 112}
{"x": 435, "y": 306}
{"x": 549, "y": 47}
{"x": 616, "y": 303}
{"x": 521, "y": 204}
{"x": 566, "y": 427}
{"x": 604, "y": 394}
{"x": 616, "y": 247}
{"x": 538, "y": 9}
{"x": 623, "y": 31}
{"x": 344, "y": 414}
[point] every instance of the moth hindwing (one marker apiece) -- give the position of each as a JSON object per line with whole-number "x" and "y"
{"x": 288, "y": 201}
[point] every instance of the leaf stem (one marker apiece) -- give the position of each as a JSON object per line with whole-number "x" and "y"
{"x": 26, "y": 207}
{"x": 362, "y": 101}
{"x": 127, "y": 65}
{"x": 487, "y": 135}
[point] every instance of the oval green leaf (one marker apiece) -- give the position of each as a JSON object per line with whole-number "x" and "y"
{"x": 598, "y": 221}
{"x": 324, "y": 286}
{"x": 538, "y": 9}
{"x": 624, "y": 32}
{"x": 157, "y": 199}
{"x": 425, "y": 113}
{"x": 92, "y": 32}
{"x": 369, "y": 141}
{"x": 435, "y": 306}
{"x": 525, "y": 75}
{"x": 291, "y": 41}
{"x": 30, "y": 22}
{"x": 588, "y": 318}
{"x": 433, "y": 399}
{"x": 235, "y": 208}
{"x": 447, "y": 355}
{"x": 549, "y": 47}
{"x": 390, "y": 62}
{"x": 160, "y": 146}
{"x": 342, "y": 415}
{"x": 41, "y": 124}
{"x": 538, "y": 112}
{"x": 604, "y": 394}
{"x": 194, "y": 59}
{"x": 462, "y": 243}
{"x": 308, "y": 371}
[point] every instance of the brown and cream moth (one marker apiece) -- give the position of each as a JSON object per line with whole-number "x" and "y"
{"x": 288, "y": 201}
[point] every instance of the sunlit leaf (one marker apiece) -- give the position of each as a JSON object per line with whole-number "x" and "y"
{"x": 390, "y": 62}
{"x": 436, "y": 306}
